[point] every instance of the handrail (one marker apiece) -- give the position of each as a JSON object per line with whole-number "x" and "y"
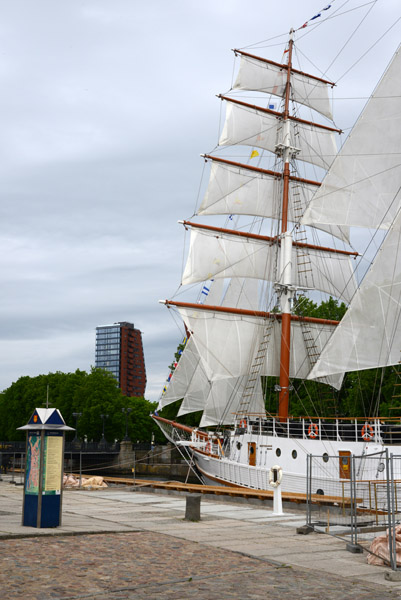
{"x": 317, "y": 417}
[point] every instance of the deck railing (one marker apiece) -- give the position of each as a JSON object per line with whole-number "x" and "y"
{"x": 378, "y": 430}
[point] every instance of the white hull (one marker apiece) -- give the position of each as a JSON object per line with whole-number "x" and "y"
{"x": 327, "y": 476}
{"x": 229, "y": 461}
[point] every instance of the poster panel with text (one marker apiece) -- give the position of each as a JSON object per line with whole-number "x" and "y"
{"x": 52, "y": 464}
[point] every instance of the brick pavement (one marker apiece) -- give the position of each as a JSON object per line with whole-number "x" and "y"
{"x": 117, "y": 544}
{"x": 146, "y": 565}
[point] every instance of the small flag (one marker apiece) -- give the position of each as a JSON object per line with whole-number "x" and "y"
{"x": 272, "y": 106}
{"x": 254, "y": 153}
{"x": 315, "y": 17}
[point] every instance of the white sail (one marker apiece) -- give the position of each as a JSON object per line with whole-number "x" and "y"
{"x": 369, "y": 334}
{"x": 250, "y": 127}
{"x": 183, "y": 376}
{"x": 219, "y": 400}
{"x": 189, "y": 379}
{"x": 242, "y": 293}
{"x": 224, "y": 400}
{"x": 362, "y": 188}
{"x": 215, "y": 255}
{"x": 233, "y": 190}
{"x": 187, "y": 374}
{"x": 227, "y": 343}
{"x": 196, "y": 395}
{"x": 260, "y": 76}
{"x": 241, "y": 191}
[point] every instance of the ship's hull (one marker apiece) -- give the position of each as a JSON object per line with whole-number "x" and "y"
{"x": 371, "y": 487}
{"x": 314, "y": 453}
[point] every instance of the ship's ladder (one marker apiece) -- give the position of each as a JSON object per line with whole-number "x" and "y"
{"x": 310, "y": 344}
{"x": 395, "y": 408}
{"x": 328, "y": 403}
{"x": 305, "y": 278}
{"x": 304, "y": 269}
{"x": 251, "y": 386}
{"x": 304, "y": 265}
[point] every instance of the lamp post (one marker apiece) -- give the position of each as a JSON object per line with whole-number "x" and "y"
{"x": 103, "y": 417}
{"x": 126, "y": 411}
{"x": 76, "y": 415}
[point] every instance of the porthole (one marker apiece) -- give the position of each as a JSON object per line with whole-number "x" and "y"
{"x": 325, "y": 457}
{"x": 294, "y": 454}
{"x": 238, "y": 445}
{"x": 380, "y": 467}
{"x": 278, "y": 452}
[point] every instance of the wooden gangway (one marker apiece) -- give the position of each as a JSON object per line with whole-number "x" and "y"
{"x": 232, "y": 491}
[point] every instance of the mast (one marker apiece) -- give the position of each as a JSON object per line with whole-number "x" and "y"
{"x": 286, "y": 295}
{"x": 225, "y": 337}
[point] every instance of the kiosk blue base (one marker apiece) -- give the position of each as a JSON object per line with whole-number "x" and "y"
{"x": 49, "y": 514}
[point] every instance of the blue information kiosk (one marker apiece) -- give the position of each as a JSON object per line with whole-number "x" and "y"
{"x": 44, "y": 465}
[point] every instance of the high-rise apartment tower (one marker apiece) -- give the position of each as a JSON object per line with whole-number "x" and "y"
{"x": 119, "y": 350}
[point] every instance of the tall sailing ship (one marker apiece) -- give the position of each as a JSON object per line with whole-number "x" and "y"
{"x": 257, "y": 267}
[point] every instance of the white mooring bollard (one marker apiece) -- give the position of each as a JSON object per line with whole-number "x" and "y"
{"x": 275, "y": 476}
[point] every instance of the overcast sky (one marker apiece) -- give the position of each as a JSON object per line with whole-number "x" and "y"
{"x": 105, "y": 107}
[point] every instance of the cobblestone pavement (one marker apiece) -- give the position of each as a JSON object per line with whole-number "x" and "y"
{"x": 114, "y": 544}
{"x": 139, "y": 565}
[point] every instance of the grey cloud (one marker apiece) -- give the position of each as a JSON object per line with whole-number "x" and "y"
{"x": 105, "y": 108}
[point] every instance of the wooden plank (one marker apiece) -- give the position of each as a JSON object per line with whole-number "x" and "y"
{"x": 232, "y": 491}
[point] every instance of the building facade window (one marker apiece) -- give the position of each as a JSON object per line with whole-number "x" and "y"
{"x": 119, "y": 350}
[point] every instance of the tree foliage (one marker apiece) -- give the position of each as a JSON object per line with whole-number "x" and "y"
{"x": 91, "y": 394}
{"x": 328, "y": 309}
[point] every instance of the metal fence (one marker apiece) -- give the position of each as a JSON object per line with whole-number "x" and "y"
{"x": 359, "y": 496}
{"x": 13, "y": 462}
{"x": 91, "y": 458}
{"x": 92, "y": 462}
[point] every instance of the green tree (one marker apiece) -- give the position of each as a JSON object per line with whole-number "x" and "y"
{"x": 328, "y": 309}
{"x": 90, "y": 394}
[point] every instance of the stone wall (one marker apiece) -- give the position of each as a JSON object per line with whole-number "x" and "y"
{"x": 164, "y": 461}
